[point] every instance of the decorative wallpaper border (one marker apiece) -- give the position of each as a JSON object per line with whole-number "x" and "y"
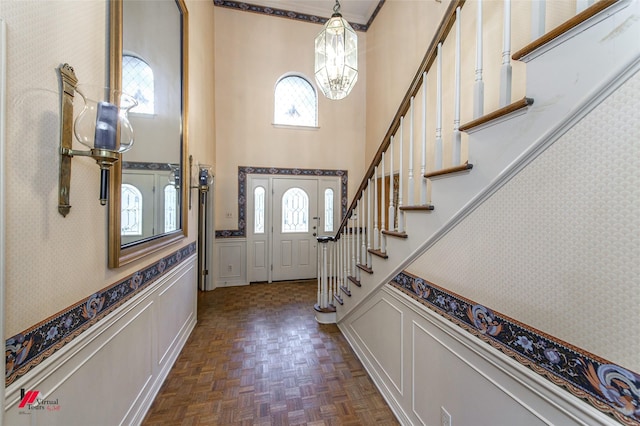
{"x": 29, "y": 348}
{"x": 141, "y": 165}
{"x": 242, "y": 191}
{"x": 282, "y": 13}
{"x": 610, "y": 388}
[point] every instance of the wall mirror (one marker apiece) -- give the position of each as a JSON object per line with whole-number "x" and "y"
{"x": 149, "y": 185}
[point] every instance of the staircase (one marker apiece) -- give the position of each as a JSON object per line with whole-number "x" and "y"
{"x": 399, "y": 213}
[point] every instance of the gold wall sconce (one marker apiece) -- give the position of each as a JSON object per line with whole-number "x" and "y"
{"x": 203, "y": 176}
{"x": 102, "y": 126}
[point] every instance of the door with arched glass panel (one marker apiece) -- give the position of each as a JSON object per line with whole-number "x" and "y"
{"x": 295, "y": 222}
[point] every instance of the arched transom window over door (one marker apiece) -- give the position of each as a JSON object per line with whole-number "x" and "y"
{"x": 295, "y": 211}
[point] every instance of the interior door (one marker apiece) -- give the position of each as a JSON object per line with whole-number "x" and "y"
{"x": 295, "y": 213}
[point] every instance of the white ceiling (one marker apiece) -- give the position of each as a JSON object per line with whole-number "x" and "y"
{"x": 358, "y": 11}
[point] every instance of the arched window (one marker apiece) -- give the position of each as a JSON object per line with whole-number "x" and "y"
{"x": 170, "y": 208}
{"x": 131, "y": 218}
{"x": 296, "y": 102}
{"x": 295, "y": 211}
{"x": 258, "y": 210}
{"x": 328, "y": 210}
{"x": 137, "y": 81}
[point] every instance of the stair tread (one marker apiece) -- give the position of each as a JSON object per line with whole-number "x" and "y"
{"x": 338, "y": 298}
{"x": 378, "y": 253}
{"x": 422, "y": 207}
{"x": 328, "y": 309}
{"x": 513, "y": 107}
{"x": 449, "y": 170}
{"x": 345, "y": 290}
{"x": 581, "y": 17}
{"x": 395, "y": 234}
{"x": 354, "y": 280}
{"x": 365, "y": 268}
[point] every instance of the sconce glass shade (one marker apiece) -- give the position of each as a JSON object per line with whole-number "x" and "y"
{"x": 205, "y": 175}
{"x": 336, "y": 50}
{"x": 103, "y": 117}
{"x": 174, "y": 175}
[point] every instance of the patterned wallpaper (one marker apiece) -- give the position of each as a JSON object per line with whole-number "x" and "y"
{"x": 558, "y": 247}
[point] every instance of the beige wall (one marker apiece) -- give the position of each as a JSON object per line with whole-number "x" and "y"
{"x": 53, "y": 262}
{"x": 396, "y": 43}
{"x": 252, "y": 52}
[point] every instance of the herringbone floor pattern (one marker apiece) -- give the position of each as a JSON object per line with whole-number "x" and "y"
{"x": 258, "y": 357}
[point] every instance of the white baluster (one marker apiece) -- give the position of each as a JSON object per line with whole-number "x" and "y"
{"x": 400, "y": 180}
{"x": 538, "y": 18}
{"x": 353, "y": 247}
{"x": 320, "y": 275}
{"x": 438, "y": 148}
{"x": 324, "y": 276}
{"x": 345, "y": 253}
{"x": 392, "y": 210}
{"x": 505, "y": 70}
{"x": 383, "y": 239}
{"x": 410, "y": 183}
{"x": 369, "y": 223}
{"x": 456, "y": 145}
{"x": 478, "y": 88}
{"x": 363, "y": 243}
{"x": 358, "y": 236}
{"x": 423, "y": 159}
{"x": 376, "y": 230}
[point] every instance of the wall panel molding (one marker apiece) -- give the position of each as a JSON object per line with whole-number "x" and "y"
{"x": 120, "y": 359}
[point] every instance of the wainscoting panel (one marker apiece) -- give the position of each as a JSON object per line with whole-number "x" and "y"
{"x": 230, "y": 258}
{"x": 463, "y": 390}
{"x": 176, "y": 302}
{"x": 111, "y": 372}
{"x": 442, "y": 366}
{"x": 379, "y": 331}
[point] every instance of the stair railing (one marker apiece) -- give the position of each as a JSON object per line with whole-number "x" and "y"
{"x": 358, "y": 238}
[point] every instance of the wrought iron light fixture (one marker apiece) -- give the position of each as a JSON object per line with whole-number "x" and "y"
{"x": 102, "y": 126}
{"x": 336, "y": 65}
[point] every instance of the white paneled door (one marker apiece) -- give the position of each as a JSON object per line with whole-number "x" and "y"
{"x": 295, "y": 222}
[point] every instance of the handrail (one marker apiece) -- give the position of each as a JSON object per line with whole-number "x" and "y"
{"x": 430, "y": 56}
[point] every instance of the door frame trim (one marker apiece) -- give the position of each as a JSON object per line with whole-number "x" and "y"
{"x": 243, "y": 171}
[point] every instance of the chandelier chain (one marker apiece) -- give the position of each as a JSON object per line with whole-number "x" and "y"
{"x": 336, "y": 8}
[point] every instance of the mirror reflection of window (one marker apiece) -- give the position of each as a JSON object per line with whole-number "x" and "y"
{"x": 131, "y": 219}
{"x": 296, "y": 102}
{"x": 328, "y": 210}
{"x": 170, "y": 208}
{"x": 295, "y": 211}
{"x": 137, "y": 81}
{"x": 258, "y": 207}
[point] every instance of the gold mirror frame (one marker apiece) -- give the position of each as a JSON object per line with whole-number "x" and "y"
{"x": 118, "y": 255}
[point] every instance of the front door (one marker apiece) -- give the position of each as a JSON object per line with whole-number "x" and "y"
{"x": 295, "y": 222}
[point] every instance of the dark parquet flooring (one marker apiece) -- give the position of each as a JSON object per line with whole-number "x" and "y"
{"x": 258, "y": 357}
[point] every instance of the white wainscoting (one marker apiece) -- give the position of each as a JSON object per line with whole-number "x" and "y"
{"x": 110, "y": 374}
{"x": 443, "y": 366}
{"x": 230, "y": 262}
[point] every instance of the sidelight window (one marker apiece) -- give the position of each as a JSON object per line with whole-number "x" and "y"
{"x": 131, "y": 218}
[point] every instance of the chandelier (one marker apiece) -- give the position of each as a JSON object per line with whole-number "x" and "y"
{"x": 336, "y": 65}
